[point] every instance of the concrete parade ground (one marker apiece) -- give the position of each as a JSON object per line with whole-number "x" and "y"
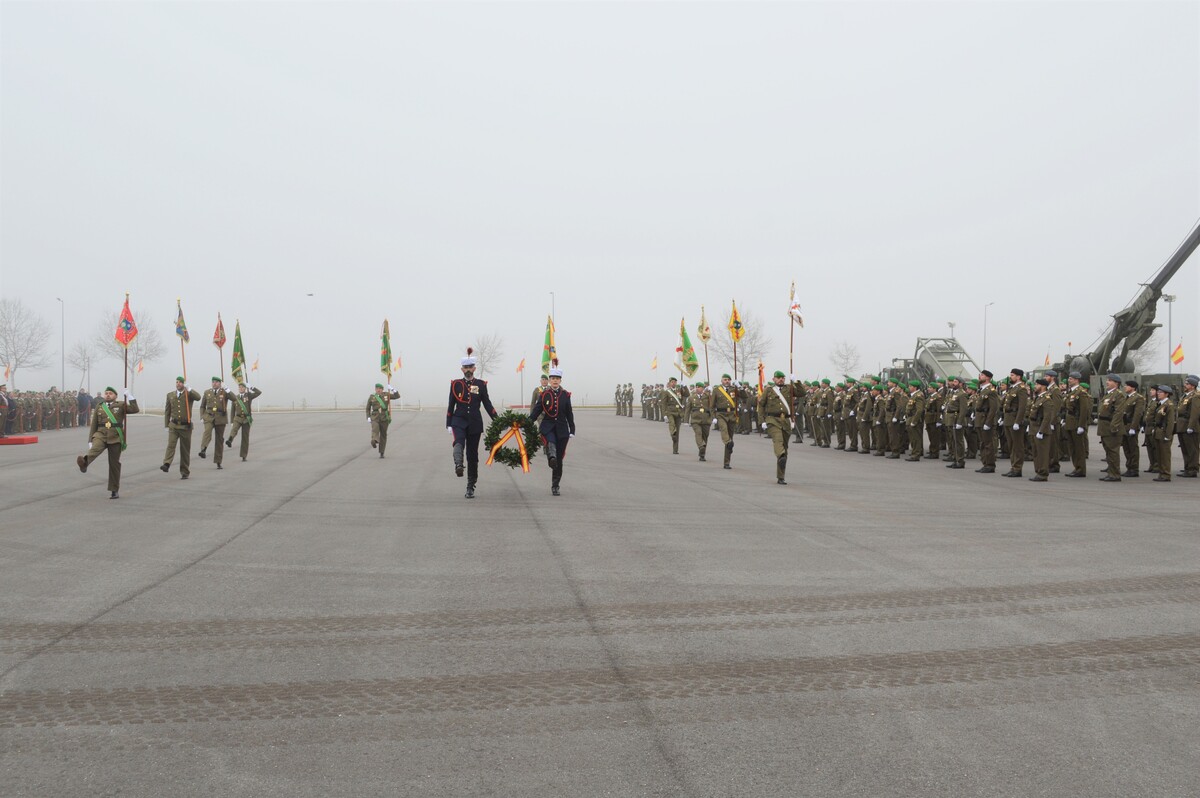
{"x": 317, "y": 621}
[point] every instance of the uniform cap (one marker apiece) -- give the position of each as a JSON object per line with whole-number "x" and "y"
{"x": 986, "y": 373}
{"x": 779, "y": 374}
{"x": 1132, "y": 383}
{"x": 1166, "y": 389}
{"x": 1042, "y": 381}
{"x": 726, "y": 377}
{"x": 379, "y": 385}
{"x": 973, "y": 384}
{"x": 1075, "y": 375}
{"x": 1084, "y": 385}
{"x": 1113, "y": 378}
{"x": 179, "y": 379}
{"x": 216, "y": 379}
{"x": 1018, "y": 372}
{"x": 110, "y": 388}
{"x": 915, "y": 383}
{"x": 556, "y": 372}
{"x": 700, "y": 384}
{"x": 1192, "y": 380}
{"x": 1051, "y": 373}
{"x": 840, "y": 385}
{"x": 850, "y": 380}
{"x": 825, "y": 381}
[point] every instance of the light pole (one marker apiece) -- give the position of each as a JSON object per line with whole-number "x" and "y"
{"x": 62, "y": 346}
{"x": 985, "y": 307}
{"x": 951, "y": 325}
{"x": 1170, "y": 300}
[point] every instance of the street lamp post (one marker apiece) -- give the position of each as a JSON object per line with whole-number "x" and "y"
{"x": 1170, "y": 300}
{"x": 62, "y": 345}
{"x": 985, "y": 307}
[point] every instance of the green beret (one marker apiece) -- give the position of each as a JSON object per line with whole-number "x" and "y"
{"x": 851, "y": 380}
{"x": 940, "y": 380}
{"x": 780, "y": 374}
{"x": 700, "y": 384}
{"x": 973, "y": 384}
{"x": 825, "y": 381}
{"x": 379, "y": 385}
{"x": 1085, "y": 385}
{"x": 726, "y": 377}
{"x": 893, "y": 379}
{"x": 915, "y": 383}
{"x": 841, "y": 385}
{"x": 216, "y": 379}
{"x": 876, "y": 387}
{"x": 179, "y": 379}
{"x": 110, "y": 388}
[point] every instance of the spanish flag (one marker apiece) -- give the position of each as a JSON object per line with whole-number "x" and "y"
{"x": 1177, "y": 354}
{"x": 521, "y": 366}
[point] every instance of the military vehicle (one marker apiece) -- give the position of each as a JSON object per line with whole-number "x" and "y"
{"x": 933, "y": 358}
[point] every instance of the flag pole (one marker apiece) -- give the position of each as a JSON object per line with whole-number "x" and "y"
{"x": 183, "y": 358}
{"x": 221, "y": 349}
{"x": 125, "y": 399}
{"x": 791, "y": 332}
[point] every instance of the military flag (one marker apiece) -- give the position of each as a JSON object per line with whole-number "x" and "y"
{"x": 255, "y": 366}
{"x": 687, "y": 363}
{"x": 762, "y": 377}
{"x": 219, "y": 334}
{"x": 140, "y": 366}
{"x": 736, "y": 330}
{"x": 238, "y": 364}
{"x": 385, "y": 350}
{"x": 654, "y": 364}
{"x": 126, "y": 328}
{"x": 704, "y": 331}
{"x": 521, "y": 366}
{"x": 398, "y": 359}
{"x": 1177, "y": 354}
{"x": 549, "y": 351}
{"x": 180, "y": 325}
{"x": 794, "y": 307}
{"x": 1047, "y": 363}
{"x": 7, "y": 372}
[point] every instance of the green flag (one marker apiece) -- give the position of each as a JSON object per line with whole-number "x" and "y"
{"x": 688, "y": 363}
{"x": 385, "y": 350}
{"x": 549, "y": 353}
{"x": 239, "y": 354}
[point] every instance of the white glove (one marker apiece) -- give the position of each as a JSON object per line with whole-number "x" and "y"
{"x": 1079, "y": 431}
{"x": 572, "y": 435}
{"x": 1052, "y": 428}
{"x": 829, "y": 416}
{"x": 879, "y": 423}
{"x": 1040, "y": 436}
{"x": 764, "y": 426}
{"x": 1191, "y": 432}
{"x": 852, "y": 416}
{"x": 986, "y": 428}
{"x": 714, "y": 426}
{"x": 939, "y": 424}
{"x": 128, "y": 394}
{"x": 1016, "y": 427}
{"x": 1166, "y": 439}
{"x": 450, "y": 430}
{"x": 958, "y": 426}
{"x": 895, "y": 420}
{"x": 1132, "y": 432}
{"x": 391, "y": 389}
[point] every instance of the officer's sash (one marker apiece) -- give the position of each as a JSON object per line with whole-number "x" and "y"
{"x": 785, "y": 402}
{"x": 382, "y": 406}
{"x": 725, "y": 393}
{"x": 245, "y": 410}
{"x": 676, "y": 398}
{"x": 120, "y": 433}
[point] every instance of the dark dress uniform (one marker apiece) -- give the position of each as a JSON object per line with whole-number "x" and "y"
{"x": 464, "y": 419}
{"x": 557, "y": 427}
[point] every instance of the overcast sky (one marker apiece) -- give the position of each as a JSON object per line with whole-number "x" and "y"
{"x": 449, "y": 165}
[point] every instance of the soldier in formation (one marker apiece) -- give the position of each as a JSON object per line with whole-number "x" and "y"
{"x": 107, "y": 433}
{"x": 214, "y": 412}
{"x": 464, "y": 420}
{"x": 557, "y": 425}
{"x": 177, "y": 418}
{"x": 243, "y": 417}
{"x": 672, "y": 402}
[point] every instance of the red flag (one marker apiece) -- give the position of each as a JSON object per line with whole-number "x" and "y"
{"x": 1177, "y": 354}
{"x": 521, "y": 366}
{"x": 126, "y": 328}
{"x": 219, "y": 335}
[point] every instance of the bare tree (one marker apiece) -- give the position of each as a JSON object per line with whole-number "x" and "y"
{"x": 24, "y": 336}
{"x": 844, "y": 357}
{"x": 489, "y": 349}
{"x": 1147, "y": 355}
{"x": 81, "y": 357}
{"x": 753, "y": 347}
{"x": 148, "y": 346}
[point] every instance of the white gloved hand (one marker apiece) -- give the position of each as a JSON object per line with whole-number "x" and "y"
{"x": 958, "y": 426}
{"x": 572, "y": 435}
{"x": 1079, "y": 431}
{"x": 829, "y": 416}
{"x": 939, "y": 424}
{"x": 128, "y": 394}
{"x": 986, "y": 428}
{"x": 1016, "y": 427}
{"x": 852, "y": 416}
{"x": 1052, "y": 428}
{"x": 391, "y": 389}
{"x": 1132, "y": 432}
{"x": 879, "y": 423}
{"x": 450, "y": 430}
{"x": 1191, "y": 432}
{"x": 1040, "y": 436}
{"x": 764, "y": 426}
{"x": 714, "y": 426}
{"x": 895, "y": 420}
{"x": 1166, "y": 439}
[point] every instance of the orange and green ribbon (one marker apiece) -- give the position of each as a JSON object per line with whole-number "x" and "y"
{"x": 515, "y": 432}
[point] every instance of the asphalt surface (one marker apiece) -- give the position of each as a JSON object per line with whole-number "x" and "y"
{"x": 317, "y": 621}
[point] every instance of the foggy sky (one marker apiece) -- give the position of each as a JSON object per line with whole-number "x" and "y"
{"x": 449, "y": 165}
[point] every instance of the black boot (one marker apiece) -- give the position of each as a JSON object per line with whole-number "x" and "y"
{"x": 552, "y": 455}
{"x": 728, "y": 454}
{"x": 675, "y": 443}
{"x": 202, "y": 453}
{"x": 555, "y": 478}
{"x": 702, "y": 450}
{"x": 458, "y": 459}
{"x": 782, "y": 469}
{"x": 472, "y": 478}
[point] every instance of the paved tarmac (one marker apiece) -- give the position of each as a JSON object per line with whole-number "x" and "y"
{"x": 316, "y": 621}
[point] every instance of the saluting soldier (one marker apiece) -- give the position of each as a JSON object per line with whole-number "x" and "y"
{"x": 214, "y": 410}
{"x": 1015, "y": 412}
{"x": 1163, "y": 423}
{"x": 177, "y": 418}
{"x": 1110, "y": 427}
{"x": 557, "y": 425}
{"x": 1134, "y": 419}
{"x": 243, "y": 416}
{"x": 464, "y": 420}
{"x": 914, "y": 415}
{"x": 1187, "y": 427}
{"x": 722, "y": 403}
{"x": 699, "y": 417}
{"x": 1077, "y": 410}
{"x": 379, "y": 414}
{"x": 672, "y": 404}
{"x": 107, "y": 432}
{"x": 775, "y": 410}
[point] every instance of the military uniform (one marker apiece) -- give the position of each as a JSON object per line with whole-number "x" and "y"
{"x": 722, "y": 403}
{"x": 699, "y": 417}
{"x": 1110, "y": 428}
{"x": 107, "y": 433}
{"x": 214, "y": 412}
{"x": 379, "y": 414}
{"x": 5, "y": 403}
{"x": 1134, "y": 420}
{"x": 1187, "y": 427}
{"x": 177, "y": 418}
{"x": 933, "y": 419}
{"x": 1041, "y": 428}
{"x": 880, "y": 419}
{"x": 1015, "y": 415}
{"x": 464, "y": 420}
{"x": 775, "y": 410}
{"x": 1162, "y": 421}
{"x": 243, "y": 417}
{"x": 672, "y": 404}
{"x": 557, "y": 426}
{"x": 862, "y": 414}
{"x": 954, "y": 413}
{"x": 1077, "y": 417}
{"x": 987, "y": 407}
{"x": 914, "y": 415}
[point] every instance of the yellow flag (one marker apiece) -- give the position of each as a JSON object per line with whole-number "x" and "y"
{"x": 654, "y": 364}
{"x": 736, "y": 330}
